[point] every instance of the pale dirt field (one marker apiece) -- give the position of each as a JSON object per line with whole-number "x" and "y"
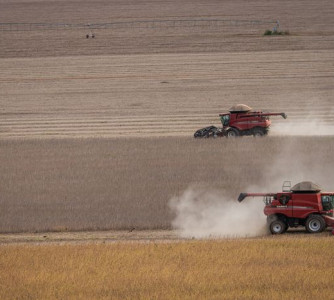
{"x": 117, "y": 236}
{"x": 158, "y": 94}
{"x": 102, "y": 184}
{"x": 92, "y": 236}
{"x": 151, "y": 82}
{"x": 310, "y": 23}
{"x": 161, "y": 81}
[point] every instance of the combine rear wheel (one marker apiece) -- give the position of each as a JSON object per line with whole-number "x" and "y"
{"x": 315, "y": 224}
{"x": 278, "y": 227}
{"x": 258, "y": 132}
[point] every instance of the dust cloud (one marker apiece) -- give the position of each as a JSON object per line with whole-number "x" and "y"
{"x": 311, "y": 128}
{"x": 298, "y": 160}
{"x": 203, "y": 214}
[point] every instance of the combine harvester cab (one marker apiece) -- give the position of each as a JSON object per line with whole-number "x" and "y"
{"x": 302, "y": 205}
{"x": 240, "y": 121}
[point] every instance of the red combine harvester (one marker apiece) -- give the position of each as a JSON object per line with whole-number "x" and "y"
{"x": 302, "y": 205}
{"x": 240, "y": 120}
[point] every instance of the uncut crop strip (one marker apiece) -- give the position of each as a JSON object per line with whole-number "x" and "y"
{"x": 218, "y": 269}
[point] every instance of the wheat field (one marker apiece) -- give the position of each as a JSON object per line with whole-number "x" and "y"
{"x": 276, "y": 268}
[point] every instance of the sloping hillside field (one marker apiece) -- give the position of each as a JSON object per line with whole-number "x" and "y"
{"x": 104, "y": 192}
{"x": 160, "y": 68}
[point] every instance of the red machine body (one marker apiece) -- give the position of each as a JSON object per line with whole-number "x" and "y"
{"x": 239, "y": 121}
{"x": 310, "y": 208}
{"x": 255, "y": 123}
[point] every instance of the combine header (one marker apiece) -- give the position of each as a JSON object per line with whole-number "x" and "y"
{"x": 240, "y": 120}
{"x": 302, "y": 205}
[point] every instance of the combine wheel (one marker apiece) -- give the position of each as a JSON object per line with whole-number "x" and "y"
{"x": 315, "y": 224}
{"x": 278, "y": 227}
{"x": 258, "y": 132}
{"x": 232, "y": 132}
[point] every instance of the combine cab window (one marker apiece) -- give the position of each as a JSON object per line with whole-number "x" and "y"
{"x": 327, "y": 202}
{"x": 225, "y": 120}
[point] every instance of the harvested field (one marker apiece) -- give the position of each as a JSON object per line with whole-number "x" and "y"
{"x": 97, "y": 133}
{"x": 157, "y": 81}
{"x": 93, "y": 184}
{"x": 310, "y": 24}
{"x": 159, "y": 95}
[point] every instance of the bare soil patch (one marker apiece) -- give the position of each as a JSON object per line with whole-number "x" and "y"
{"x": 91, "y": 237}
{"x": 133, "y": 236}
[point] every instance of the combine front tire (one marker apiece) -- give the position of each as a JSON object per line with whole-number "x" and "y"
{"x": 232, "y": 132}
{"x": 278, "y": 227}
{"x": 315, "y": 224}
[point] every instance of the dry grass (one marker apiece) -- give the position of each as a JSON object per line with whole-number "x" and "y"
{"x": 84, "y": 184}
{"x": 285, "y": 267}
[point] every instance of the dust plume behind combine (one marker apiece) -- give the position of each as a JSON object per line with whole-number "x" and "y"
{"x": 310, "y": 121}
{"x": 304, "y": 128}
{"x": 203, "y": 214}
